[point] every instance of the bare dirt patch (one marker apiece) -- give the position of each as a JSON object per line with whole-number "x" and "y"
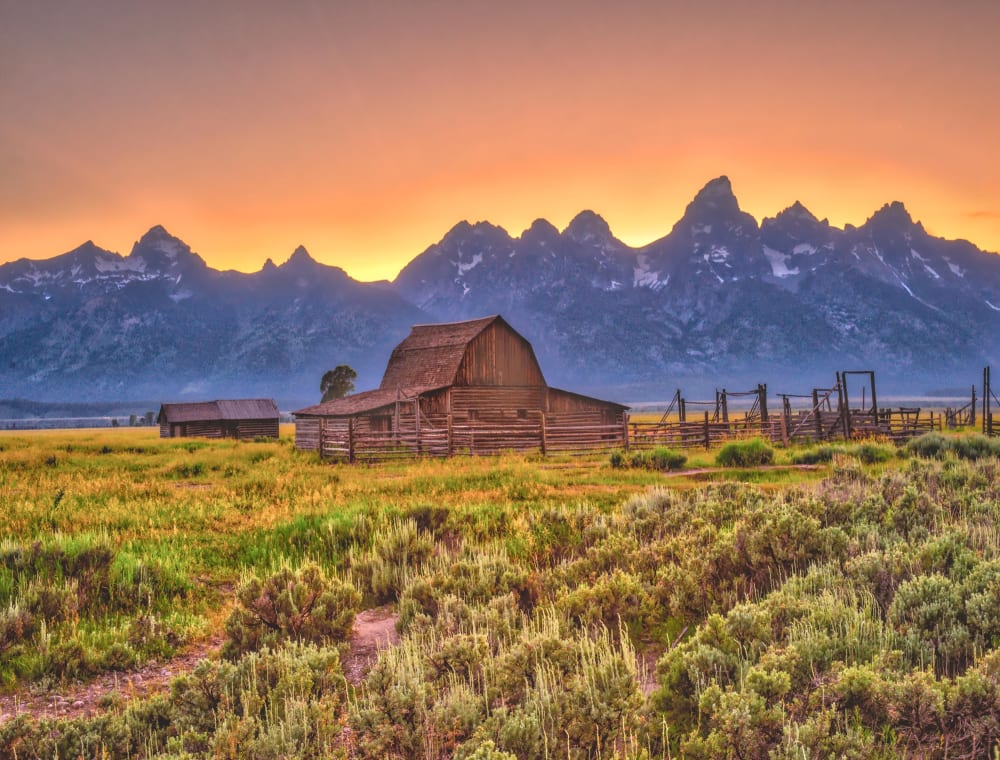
{"x": 373, "y": 630}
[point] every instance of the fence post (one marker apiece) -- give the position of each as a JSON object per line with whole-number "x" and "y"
{"x": 625, "y": 428}
{"x": 350, "y": 440}
{"x": 708, "y": 438}
{"x": 819, "y": 414}
{"x": 416, "y": 425}
{"x": 542, "y": 431}
{"x": 972, "y": 408}
{"x": 762, "y": 395}
{"x": 451, "y": 437}
{"x": 322, "y": 433}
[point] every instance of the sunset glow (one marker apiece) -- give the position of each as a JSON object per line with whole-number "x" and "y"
{"x": 364, "y": 131}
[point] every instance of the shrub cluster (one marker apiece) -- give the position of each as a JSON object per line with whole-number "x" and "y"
{"x": 937, "y": 446}
{"x": 752, "y": 453}
{"x": 660, "y": 458}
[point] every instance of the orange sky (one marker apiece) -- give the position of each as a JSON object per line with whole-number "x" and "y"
{"x": 365, "y": 130}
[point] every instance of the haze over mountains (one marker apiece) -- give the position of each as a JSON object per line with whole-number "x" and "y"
{"x": 719, "y": 301}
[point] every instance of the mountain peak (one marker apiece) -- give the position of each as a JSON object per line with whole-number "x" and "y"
{"x": 798, "y": 211}
{"x": 464, "y": 230}
{"x": 894, "y": 214}
{"x": 587, "y": 226}
{"x": 540, "y": 229}
{"x": 155, "y": 235}
{"x": 718, "y": 190}
{"x": 714, "y": 199}
{"x": 300, "y": 258}
{"x": 162, "y": 249}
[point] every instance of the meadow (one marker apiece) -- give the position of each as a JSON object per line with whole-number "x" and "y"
{"x": 745, "y": 602}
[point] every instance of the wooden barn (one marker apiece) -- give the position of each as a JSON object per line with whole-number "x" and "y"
{"x": 473, "y": 387}
{"x": 225, "y": 418}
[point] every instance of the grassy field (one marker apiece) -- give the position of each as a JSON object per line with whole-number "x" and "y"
{"x": 794, "y": 603}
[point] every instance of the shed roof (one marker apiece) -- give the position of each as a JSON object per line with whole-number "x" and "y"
{"x": 359, "y": 403}
{"x": 220, "y": 409}
{"x": 430, "y": 355}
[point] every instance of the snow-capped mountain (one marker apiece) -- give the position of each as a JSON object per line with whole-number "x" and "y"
{"x": 719, "y": 300}
{"x": 159, "y": 323}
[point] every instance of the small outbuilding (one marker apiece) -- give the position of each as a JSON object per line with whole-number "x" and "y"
{"x": 472, "y": 386}
{"x": 224, "y": 418}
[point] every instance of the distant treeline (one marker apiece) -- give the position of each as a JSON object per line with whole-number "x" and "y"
{"x": 21, "y": 408}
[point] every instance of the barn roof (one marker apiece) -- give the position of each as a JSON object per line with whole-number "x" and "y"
{"x": 359, "y": 403}
{"x": 430, "y": 355}
{"x": 221, "y": 409}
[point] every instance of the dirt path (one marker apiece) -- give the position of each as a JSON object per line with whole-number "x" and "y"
{"x": 723, "y": 470}
{"x": 85, "y": 699}
{"x": 373, "y": 629}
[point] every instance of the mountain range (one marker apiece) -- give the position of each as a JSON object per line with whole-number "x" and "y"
{"x": 719, "y": 301}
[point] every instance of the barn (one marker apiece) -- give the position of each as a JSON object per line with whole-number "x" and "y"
{"x": 224, "y": 418}
{"x": 472, "y": 386}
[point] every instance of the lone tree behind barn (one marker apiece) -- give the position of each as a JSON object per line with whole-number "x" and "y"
{"x": 473, "y": 387}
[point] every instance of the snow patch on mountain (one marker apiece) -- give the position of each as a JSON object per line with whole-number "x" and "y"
{"x": 779, "y": 262}
{"x": 464, "y": 267}
{"x": 644, "y": 277}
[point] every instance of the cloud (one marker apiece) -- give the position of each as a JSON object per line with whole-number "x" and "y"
{"x": 983, "y": 215}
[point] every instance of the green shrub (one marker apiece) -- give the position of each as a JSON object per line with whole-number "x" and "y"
{"x": 929, "y": 446}
{"x": 817, "y": 455}
{"x": 660, "y": 458}
{"x": 752, "y": 453}
{"x": 970, "y": 447}
{"x": 290, "y": 605}
{"x": 871, "y": 453}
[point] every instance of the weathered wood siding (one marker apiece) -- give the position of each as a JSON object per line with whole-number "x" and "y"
{"x": 242, "y": 429}
{"x": 491, "y": 401}
{"x": 499, "y": 356}
{"x": 583, "y": 408}
{"x": 307, "y": 433}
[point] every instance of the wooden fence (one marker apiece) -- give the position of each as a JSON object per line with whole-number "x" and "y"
{"x": 546, "y": 435}
{"x": 550, "y": 436}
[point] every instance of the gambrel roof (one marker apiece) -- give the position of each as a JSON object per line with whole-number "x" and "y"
{"x": 430, "y": 355}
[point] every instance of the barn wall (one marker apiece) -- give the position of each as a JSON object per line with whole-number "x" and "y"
{"x": 257, "y": 428}
{"x": 307, "y": 433}
{"x": 499, "y": 356}
{"x": 583, "y": 408}
{"x": 490, "y": 398}
{"x": 164, "y": 430}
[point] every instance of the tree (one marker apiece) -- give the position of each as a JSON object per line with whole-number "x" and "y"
{"x": 337, "y": 382}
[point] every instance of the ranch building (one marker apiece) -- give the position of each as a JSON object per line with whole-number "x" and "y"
{"x": 225, "y": 418}
{"x": 473, "y": 387}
